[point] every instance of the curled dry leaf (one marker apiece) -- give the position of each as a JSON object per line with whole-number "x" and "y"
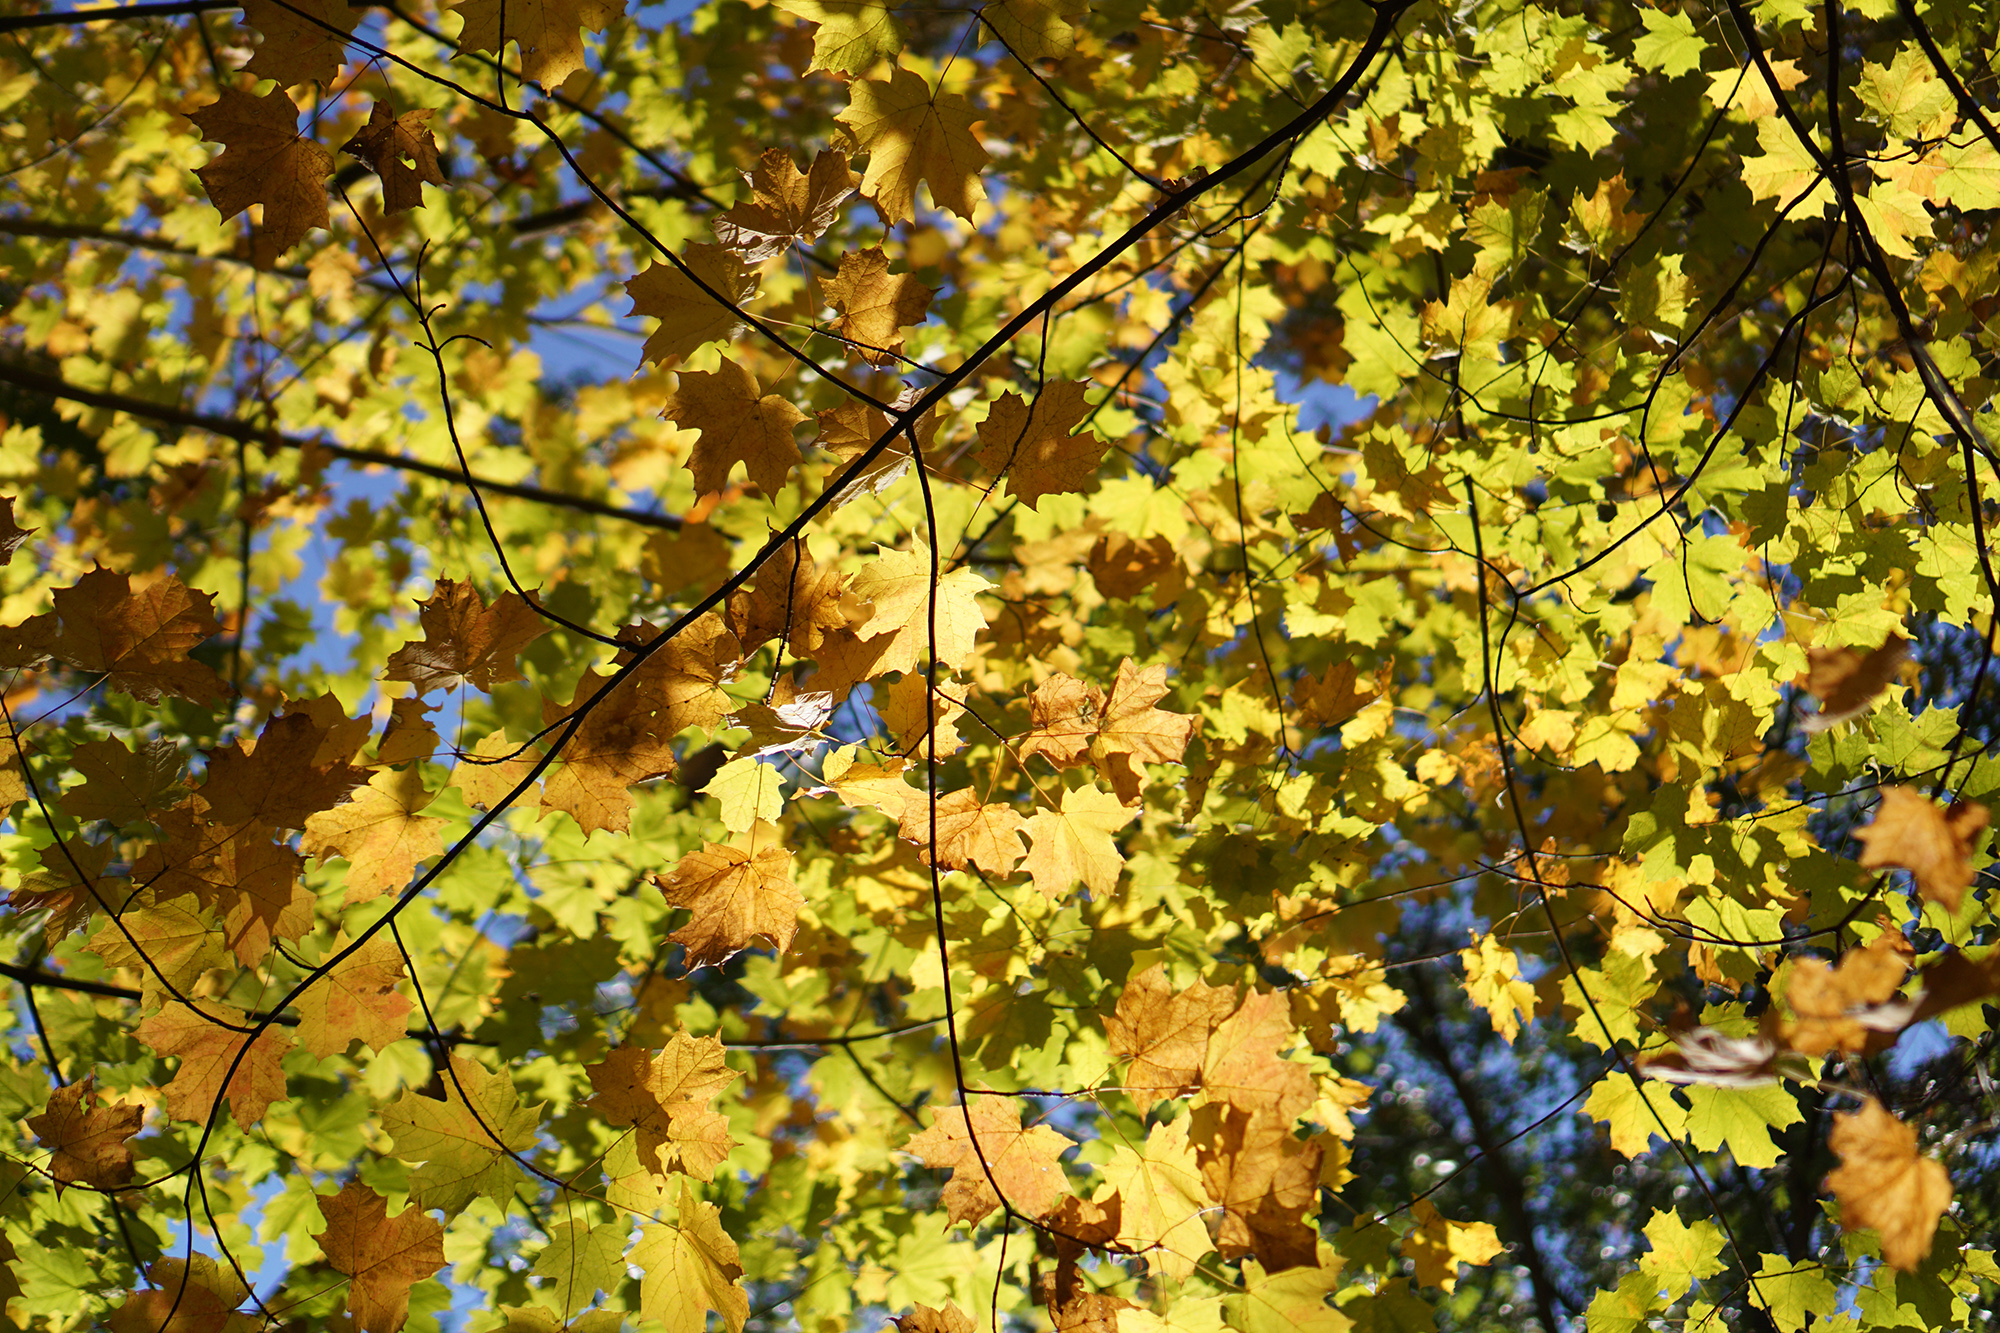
{"x": 1935, "y": 844}
{"x": 1883, "y": 1183}
{"x": 1846, "y": 681}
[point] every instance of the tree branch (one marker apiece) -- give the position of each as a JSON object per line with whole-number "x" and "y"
{"x": 233, "y": 429}
{"x": 124, "y": 14}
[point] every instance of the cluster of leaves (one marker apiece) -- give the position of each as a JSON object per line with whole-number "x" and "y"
{"x": 899, "y": 776}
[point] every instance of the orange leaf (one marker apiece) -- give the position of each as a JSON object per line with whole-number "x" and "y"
{"x": 1164, "y": 1030}
{"x": 737, "y": 426}
{"x": 691, "y": 318}
{"x": 207, "y": 1044}
{"x": 785, "y": 207}
{"x": 1063, "y": 712}
{"x": 1847, "y": 680}
{"x": 914, "y": 135}
{"x": 668, "y": 1099}
{"x": 186, "y": 1297}
{"x": 1132, "y": 733}
{"x": 851, "y": 430}
{"x": 265, "y": 160}
{"x": 968, "y": 832}
{"x": 874, "y": 304}
{"x": 1845, "y": 1007}
{"x": 1882, "y": 1183}
{"x": 1075, "y": 843}
{"x": 87, "y": 1141}
{"x": 1265, "y": 1180}
{"x": 357, "y": 999}
{"x": 465, "y": 639}
{"x": 384, "y": 1256}
{"x": 1935, "y": 845}
{"x": 1022, "y": 1162}
{"x": 1244, "y": 1067}
{"x": 794, "y": 598}
{"x": 1036, "y": 447}
{"x": 736, "y": 896}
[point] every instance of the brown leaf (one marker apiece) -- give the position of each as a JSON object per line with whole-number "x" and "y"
{"x": 874, "y": 305}
{"x": 669, "y": 1099}
{"x": 124, "y": 786}
{"x": 401, "y": 151}
{"x": 691, "y": 318}
{"x": 1265, "y": 1180}
{"x": 1882, "y": 1183}
{"x": 924, "y": 1319}
{"x": 281, "y": 779}
{"x": 138, "y": 640}
{"x": 304, "y": 41}
{"x": 200, "y": 1296}
{"x": 990, "y": 1139}
{"x": 1935, "y": 845}
{"x": 207, "y": 1043}
{"x": 1036, "y": 446}
{"x": 69, "y": 886}
{"x": 546, "y": 31}
{"x": 1063, "y": 714}
{"x": 1244, "y": 1066}
{"x": 1075, "y": 1308}
{"x": 1124, "y": 569}
{"x": 793, "y": 598}
{"x": 737, "y": 896}
{"x": 87, "y": 1141}
{"x": 786, "y": 208}
{"x": 1164, "y": 1030}
{"x": 1846, "y": 681}
{"x": 465, "y": 639}
{"x": 12, "y": 535}
{"x": 383, "y": 1256}
{"x": 247, "y": 878}
{"x": 738, "y": 424}
{"x": 265, "y": 160}
{"x": 1336, "y": 695}
{"x": 1842, "y": 1008}
{"x": 852, "y": 429}
{"x": 968, "y": 832}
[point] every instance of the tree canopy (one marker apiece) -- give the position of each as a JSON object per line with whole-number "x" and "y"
{"x": 1130, "y": 666}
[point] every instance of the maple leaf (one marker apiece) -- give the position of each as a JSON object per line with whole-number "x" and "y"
{"x": 545, "y": 30}
{"x": 1022, "y": 1162}
{"x": 691, "y": 318}
{"x": 581, "y": 1260}
{"x": 1164, "y": 1031}
{"x": 1063, "y": 714}
{"x": 169, "y": 945}
{"x": 736, "y": 895}
{"x": 668, "y": 1099}
{"x": 925, "y": 1319}
{"x": 1075, "y": 1308}
{"x": 186, "y": 1296}
{"x": 1035, "y": 445}
{"x": 1132, "y": 733}
{"x": 921, "y": 716}
{"x": 356, "y": 1000}
{"x": 491, "y": 770}
{"x": 874, "y": 304}
{"x": 304, "y": 41}
{"x": 623, "y": 741}
{"x": 460, "y": 1145}
{"x": 689, "y": 1269}
{"x": 1438, "y": 1246}
{"x": 282, "y": 778}
{"x": 1243, "y": 1065}
{"x": 87, "y": 1142}
{"x": 738, "y": 424}
{"x": 1493, "y": 981}
{"x": 914, "y": 135}
{"x": 851, "y": 430}
{"x": 969, "y": 832}
{"x": 248, "y": 879}
{"x": 1294, "y": 1300}
{"x": 794, "y": 598}
{"x": 379, "y": 832}
{"x": 207, "y": 1044}
{"x": 465, "y": 639}
{"x": 265, "y": 160}
{"x": 12, "y": 535}
{"x": 382, "y": 1256}
{"x": 69, "y": 886}
{"x": 852, "y": 34}
{"x": 1076, "y": 843}
{"x": 1264, "y": 1179}
{"x": 139, "y": 641}
{"x": 401, "y": 151}
{"x": 785, "y": 207}
{"x": 1036, "y": 29}
{"x": 1334, "y": 696}
{"x": 1162, "y": 1200}
{"x": 1846, "y": 681}
{"x": 1850, "y": 1007}
{"x": 897, "y": 590}
{"x": 408, "y": 735}
{"x": 1935, "y": 845}
{"x": 124, "y": 786}
{"x": 1883, "y": 1183}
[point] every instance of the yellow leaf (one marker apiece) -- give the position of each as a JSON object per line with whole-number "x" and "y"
{"x": 690, "y": 1268}
{"x": 738, "y": 424}
{"x": 694, "y": 308}
{"x": 912, "y": 135}
{"x": 1075, "y": 843}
